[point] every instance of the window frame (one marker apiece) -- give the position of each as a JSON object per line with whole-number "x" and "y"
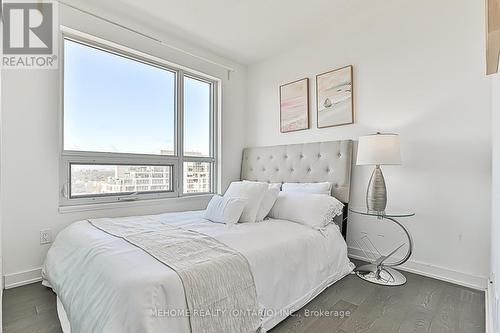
{"x": 68, "y": 157}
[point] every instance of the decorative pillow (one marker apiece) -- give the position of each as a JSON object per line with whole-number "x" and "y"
{"x": 252, "y": 192}
{"x": 268, "y": 200}
{"x": 224, "y": 210}
{"x": 314, "y": 210}
{"x": 316, "y": 188}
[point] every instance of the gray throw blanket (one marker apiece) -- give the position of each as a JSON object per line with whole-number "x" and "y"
{"x": 218, "y": 283}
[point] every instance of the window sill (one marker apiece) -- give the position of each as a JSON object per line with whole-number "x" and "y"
{"x": 128, "y": 204}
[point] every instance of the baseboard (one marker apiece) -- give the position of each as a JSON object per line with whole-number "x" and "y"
{"x": 436, "y": 272}
{"x": 22, "y": 278}
{"x": 488, "y": 299}
{"x": 492, "y": 308}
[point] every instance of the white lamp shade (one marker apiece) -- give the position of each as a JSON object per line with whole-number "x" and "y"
{"x": 379, "y": 149}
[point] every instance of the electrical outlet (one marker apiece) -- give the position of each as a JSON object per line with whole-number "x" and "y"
{"x": 45, "y": 236}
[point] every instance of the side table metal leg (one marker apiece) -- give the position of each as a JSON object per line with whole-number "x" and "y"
{"x": 384, "y": 274}
{"x": 410, "y": 244}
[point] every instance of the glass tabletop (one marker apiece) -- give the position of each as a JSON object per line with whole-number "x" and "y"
{"x": 389, "y": 213}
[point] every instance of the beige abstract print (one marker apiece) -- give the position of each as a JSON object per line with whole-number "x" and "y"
{"x": 334, "y": 97}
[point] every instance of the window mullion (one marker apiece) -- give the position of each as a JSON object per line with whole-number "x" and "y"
{"x": 180, "y": 132}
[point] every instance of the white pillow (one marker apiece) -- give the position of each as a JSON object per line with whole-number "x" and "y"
{"x": 316, "y": 188}
{"x": 252, "y": 192}
{"x": 268, "y": 200}
{"x": 314, "y": 210}
{"x": 224, "y": 210}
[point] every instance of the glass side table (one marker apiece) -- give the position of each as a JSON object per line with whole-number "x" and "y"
{"x": 379, "y": 271}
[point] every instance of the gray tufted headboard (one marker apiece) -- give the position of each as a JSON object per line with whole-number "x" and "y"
{"x": 302, "y": 163}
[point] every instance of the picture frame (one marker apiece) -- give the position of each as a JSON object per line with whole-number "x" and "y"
{"x": 334, "y": 97}
{"x": 294, "y": 106}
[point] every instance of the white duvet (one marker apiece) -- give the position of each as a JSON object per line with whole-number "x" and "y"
{"x": 111, "y": 286}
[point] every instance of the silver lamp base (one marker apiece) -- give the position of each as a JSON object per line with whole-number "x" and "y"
{"x": 381, "y": 274}
{"x": 376, "y": 194}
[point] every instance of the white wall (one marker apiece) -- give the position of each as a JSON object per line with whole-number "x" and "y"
{"x": 495, "y": 200}
{"x": 418, "y": 71}
{"x": 30, "y": 146}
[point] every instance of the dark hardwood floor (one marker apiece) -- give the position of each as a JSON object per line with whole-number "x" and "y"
{"x": 351, "y": 305}
{"x": 421, "y": 305}
{"x": 30, "y": 308}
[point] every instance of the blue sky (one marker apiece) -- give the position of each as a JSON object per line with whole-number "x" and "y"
{"x": 114, "y": 104}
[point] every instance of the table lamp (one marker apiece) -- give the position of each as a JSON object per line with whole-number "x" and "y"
{"x": 378, "y": 149}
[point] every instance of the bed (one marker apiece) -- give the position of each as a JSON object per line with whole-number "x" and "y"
{"x": 105, "y": 284}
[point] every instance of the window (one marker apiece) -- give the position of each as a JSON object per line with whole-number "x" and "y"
{"x": 197, "y": 114}
{"x": 115, "y": 104}
{"x": 92, "y": 180}
{"x": 197, "y": 177}
{"x": 126, "y": 136}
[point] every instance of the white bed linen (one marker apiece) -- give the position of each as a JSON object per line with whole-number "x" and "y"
{"x": 117, "y": 286}
{"x": 63, "y": 317}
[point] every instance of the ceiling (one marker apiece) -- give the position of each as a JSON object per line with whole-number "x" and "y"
{"x": 245, "y": 31}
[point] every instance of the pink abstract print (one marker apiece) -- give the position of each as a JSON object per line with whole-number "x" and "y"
{"x": 294, "y": 106}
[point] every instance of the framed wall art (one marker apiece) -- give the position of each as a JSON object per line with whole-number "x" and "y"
{"x": 334, "y": 98}
{"x": 294, "y": 106}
